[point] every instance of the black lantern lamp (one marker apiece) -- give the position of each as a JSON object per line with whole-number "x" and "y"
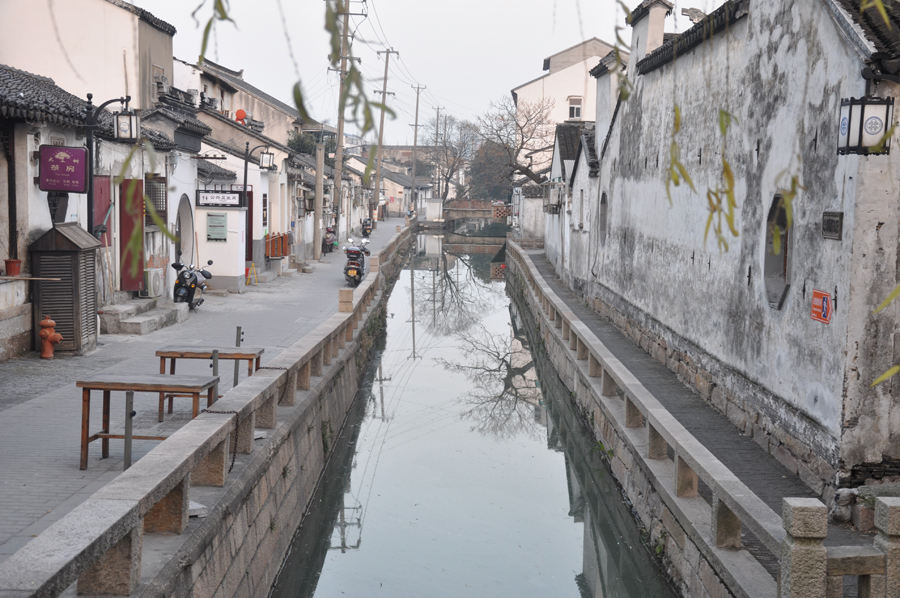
{"x": 128, "y": 125}
{"x": 866, "y": 126}
{"x": 266, "y": 160}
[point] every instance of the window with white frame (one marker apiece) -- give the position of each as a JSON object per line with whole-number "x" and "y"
{"x": 574, "y": 108}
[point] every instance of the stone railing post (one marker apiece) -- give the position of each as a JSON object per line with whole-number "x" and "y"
{"x": 804, "y": 564}
{"x": 118, "y": 572}
{"x": 887, "y": 521}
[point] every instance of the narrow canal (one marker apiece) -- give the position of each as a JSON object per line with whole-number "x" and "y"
{"x": 462, "y": 470}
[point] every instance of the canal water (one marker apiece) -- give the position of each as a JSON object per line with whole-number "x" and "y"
{"x": 462, "y": 470}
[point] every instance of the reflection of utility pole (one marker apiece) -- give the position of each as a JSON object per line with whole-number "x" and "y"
{"x": 412, "y": 295}
{"x": 343, "y": 524}
{"x": 381, "y": 379}
{"x": 433, "y": 300}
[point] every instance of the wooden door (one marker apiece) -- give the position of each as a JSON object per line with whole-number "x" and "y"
{"x": 102, "y": 202}
{"x": 131, "y": 240}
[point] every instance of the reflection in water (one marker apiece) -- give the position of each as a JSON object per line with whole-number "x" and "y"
{"x": 503, "y": 398}
{"x": 451, "y": 490}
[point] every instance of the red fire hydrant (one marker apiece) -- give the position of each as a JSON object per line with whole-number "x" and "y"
{"x": 49, "y": 337}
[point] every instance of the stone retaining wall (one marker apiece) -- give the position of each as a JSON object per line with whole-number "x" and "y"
{"x": 799, "y": 443}
{"x": 134, "y": 536}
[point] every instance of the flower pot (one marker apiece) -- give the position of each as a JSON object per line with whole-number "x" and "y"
{"x": 13, "y": 267}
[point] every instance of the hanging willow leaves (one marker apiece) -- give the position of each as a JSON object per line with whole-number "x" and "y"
{"x": 878, "y": 4}
{"x": 676, "y": 173}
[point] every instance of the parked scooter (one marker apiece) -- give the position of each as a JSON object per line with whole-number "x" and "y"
{"x": 190, "y": 283}
{"x": 330, "y": 241}
{"x": 355, "y": 268}
{"x": 367, "y": 227}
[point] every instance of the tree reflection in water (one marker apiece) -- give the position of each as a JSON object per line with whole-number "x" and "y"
{"x": 505, "y": 398}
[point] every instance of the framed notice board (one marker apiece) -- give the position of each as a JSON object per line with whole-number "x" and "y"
{"x": 216, "y": 227}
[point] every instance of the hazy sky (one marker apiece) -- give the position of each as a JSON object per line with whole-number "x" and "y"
{"x": 466, "y": 52}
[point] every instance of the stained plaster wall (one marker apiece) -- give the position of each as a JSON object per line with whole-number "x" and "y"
{"x": 781, "y": 71}
{"x": 81, "y": 46}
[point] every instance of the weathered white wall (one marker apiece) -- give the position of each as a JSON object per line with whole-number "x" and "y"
{"x": 782, "y": 72}
{"x": 86, "y": 57}
{"x": 574, "y": 80}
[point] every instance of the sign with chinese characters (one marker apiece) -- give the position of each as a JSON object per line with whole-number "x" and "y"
{"x": 821, "y": 306}
{"x": 216, "y": 227}
{"x": 63, "y": 169}
{"x": 218, "y": 198}
{"x": 832, "y": 225}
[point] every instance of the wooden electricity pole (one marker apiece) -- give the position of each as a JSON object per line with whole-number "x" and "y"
{"x": 384, "y": 94}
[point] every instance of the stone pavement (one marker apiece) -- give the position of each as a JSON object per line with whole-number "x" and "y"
{"x": 755, "y": 467}
{"x": 40, "y": 407}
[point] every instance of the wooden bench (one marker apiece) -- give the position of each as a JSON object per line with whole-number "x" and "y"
{"x": 186, "y": 385}
{"x": 252, "y": 355}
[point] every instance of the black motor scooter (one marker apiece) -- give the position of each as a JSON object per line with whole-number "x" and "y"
{"x": 355, "y": 268}
{"x": 190, "y": 284}
{"x": 367, "y": 227}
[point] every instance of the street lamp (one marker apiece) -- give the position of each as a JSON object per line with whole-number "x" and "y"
{"x": 128, "y": 128}
{"x": 266, "y": 160}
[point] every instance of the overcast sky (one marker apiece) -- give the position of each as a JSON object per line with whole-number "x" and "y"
{"x": 466, "y": 52}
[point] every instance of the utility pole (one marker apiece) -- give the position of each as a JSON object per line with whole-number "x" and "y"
{"x": 343, "y": 7}
{"x": 320, "y": 198}
{"x": 378, "y": 157}
{"x": 437, "y": 127}
{"x": 418, "y": 89}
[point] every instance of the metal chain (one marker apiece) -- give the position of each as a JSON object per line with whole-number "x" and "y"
{"x": 236, "y": 426}
{"x": 283, "y": 388}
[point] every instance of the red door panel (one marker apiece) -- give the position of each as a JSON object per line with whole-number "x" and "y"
{"x": 102, "y": 201}
{"x": 131, "y": 241}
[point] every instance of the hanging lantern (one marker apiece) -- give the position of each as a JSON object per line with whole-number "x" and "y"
{"x": 866, "y": 126}
{"x": 128, "y": 125}
{"x": 266, "y": 160}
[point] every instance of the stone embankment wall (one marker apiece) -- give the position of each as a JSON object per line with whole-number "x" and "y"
{"x": 789, "y": 435}
{"x": 661, "y": 465}
{"x": 134, "y": 536}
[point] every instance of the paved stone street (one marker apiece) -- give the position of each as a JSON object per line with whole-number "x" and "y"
{"x": 40, "y": 407}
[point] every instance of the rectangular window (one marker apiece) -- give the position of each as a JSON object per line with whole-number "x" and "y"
{"x": 156, "y": 189}
{"x": 574, "y": 108}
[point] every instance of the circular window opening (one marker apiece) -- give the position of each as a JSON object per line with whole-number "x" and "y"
{"x": 777, "y": 264}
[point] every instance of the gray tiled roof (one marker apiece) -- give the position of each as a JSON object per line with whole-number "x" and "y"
{"x": 886, "y": 38}
{"x": 26, "y": 96}
{"x": 568, "y": 134}
{"x": 213, "y": 172}
{"x": 235, "y": 79}
{"x": 145, "y": 16}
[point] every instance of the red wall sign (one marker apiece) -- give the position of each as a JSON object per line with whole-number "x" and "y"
{"x": 63, "y": 169}
{"x": 822, "y": 306}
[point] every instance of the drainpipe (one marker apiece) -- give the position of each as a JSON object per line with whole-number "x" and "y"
{"x": 11, "y": 181}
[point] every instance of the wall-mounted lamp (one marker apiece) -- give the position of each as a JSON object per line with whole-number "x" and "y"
{"x": 865, "y": 124}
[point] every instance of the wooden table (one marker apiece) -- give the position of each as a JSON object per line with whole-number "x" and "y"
{"x": 253, "y": 355}
{"x": 187, "y": 385}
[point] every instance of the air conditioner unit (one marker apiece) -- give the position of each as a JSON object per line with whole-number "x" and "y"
{"x": 154, "y": 282}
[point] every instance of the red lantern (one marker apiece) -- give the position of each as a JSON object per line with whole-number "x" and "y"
{"x": 240, "y": 115}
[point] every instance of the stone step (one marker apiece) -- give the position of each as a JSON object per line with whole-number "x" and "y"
{"x": 112, "y": 315}
{"x": 288, "y": 272}
{"x": 266, "y": 276}
{"x": 155, "y": 319}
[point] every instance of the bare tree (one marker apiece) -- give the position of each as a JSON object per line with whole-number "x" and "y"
{"x": 523, "y": 129}
{"x": 455, "y": 142}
